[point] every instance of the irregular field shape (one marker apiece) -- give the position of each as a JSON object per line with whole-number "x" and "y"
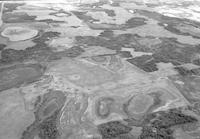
{"x": 89, "y": 75}
{"x": 13, "y": 33}
{"x": 18, "y": 75}
{"x": 107, "y": 70}
{"x": 13, "y": 115}
{"x": 140, "y": 104}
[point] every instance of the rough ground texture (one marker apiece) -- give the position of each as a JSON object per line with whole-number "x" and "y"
{"x": 100, "y": 69}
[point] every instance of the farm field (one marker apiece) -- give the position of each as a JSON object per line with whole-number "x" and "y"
{"x": 100, "y": 69}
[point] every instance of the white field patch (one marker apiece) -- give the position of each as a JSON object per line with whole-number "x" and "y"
{"x": 20, "y": 45}
{"x": 191, "y": 12}
{"x": 134, "y": 53}
{"x": 164, "y": 70}
{"x": 30, "y": 25}
{"x": 19, "y": 33}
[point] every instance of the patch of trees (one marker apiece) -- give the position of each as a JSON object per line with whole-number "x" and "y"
{"x": 159, "y": 125}
{"x": 113, "y": 129}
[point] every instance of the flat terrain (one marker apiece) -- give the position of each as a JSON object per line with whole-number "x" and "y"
{"x": 100, "y": 69}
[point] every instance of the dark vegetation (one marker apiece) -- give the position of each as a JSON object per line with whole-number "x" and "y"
{"x": 44, "y": 127}
{"x": 107, "y": 34}
{"x": 126, "y": 136}
{"x": 19, "y": 17}
{"x": 2, "y": 46}
{"x": 31, "y": 131}
{"x": 110, "y": 13}
{"x": 168, "y": 51}
{"x": 18, "y": 81}
{"x": 156, "y": 125}
{"x": 145, "y": 62}
{"x": 196, "y": 61}
{"x": 36, "y": 52}
{"x": 84, "y": 17}
{"x": 187, "y": 72}
{"x": 74, "y": 51}
{"x": 159, "y": 125}
{"x": 131, "y": 23}
{"x": 171, "y": 22}
{"x": 172, "y": 118}
{"x": 114, "y": 43}
{"x": 46, "y": 36}
{"x": 113, "y": 129}
{"x": 195, "y": 108}
{"x": 135, "y": 22}
{"x": 10, "y": 7}
{"x": 124, "y": 54}
{"x": 155, "y": 133}
{"x": 39, "y": 52}
{"x": 48, "y": 128}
